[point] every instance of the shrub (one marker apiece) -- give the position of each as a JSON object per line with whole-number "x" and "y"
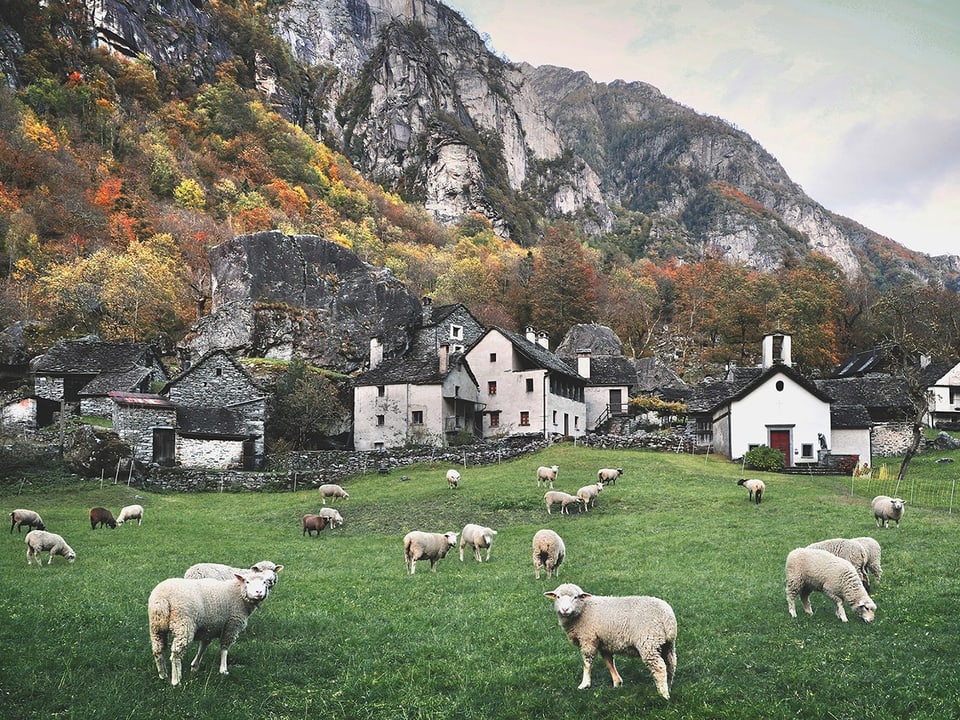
{"x": 764, "y": 458}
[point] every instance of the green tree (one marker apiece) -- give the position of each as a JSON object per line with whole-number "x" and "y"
{"x": 304, "y": 406}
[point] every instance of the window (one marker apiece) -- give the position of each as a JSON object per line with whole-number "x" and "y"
{"x": 219, "y": 372}
{"x": 381, "y": 419}
{"x": 806, "y": 450}
{"x": 493, "y": 357}
{"x": 416, "y": 417}
{"x": 381, "y": 390}
{"x": 456, "y": 331}
{"x": 554, "y": 417}
{"x": 576, "y": 422}
{"x": 495, "y": 419}
{"x": 492, "y": 387}
{"x": 529, "y": 384}
{"x": 378, "y": 446}
{"x": 524, "y": 417}
{"x": 456, "y": 391}
{"x": 779, "y": 385}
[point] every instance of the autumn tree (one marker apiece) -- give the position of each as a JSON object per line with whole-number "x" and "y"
{"x": 304, "y": 406}
{"x": 563, "y": 288}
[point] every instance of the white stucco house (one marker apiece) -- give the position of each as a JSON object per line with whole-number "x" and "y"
{"x": 943, "y": 380}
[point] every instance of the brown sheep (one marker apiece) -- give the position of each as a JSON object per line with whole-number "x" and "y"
{"x": 313, "y": 523}
{"x": 101, "y": 516}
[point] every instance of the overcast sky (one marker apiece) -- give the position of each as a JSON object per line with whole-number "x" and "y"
{"x": 858, "y": 100}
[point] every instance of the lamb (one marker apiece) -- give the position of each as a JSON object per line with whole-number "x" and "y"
{"x": 551, "y": 497}
{"x": 633, "y": 625}
{"x": 810, "y": 569}
{"x": 548, "y": 552}
{"x": 873, "y": 556}
{"x": 885, "y": 509}
{"x": 426, "y": 546}
{"x": 333, "y": 516}
{"x": 547, "y": 475}
{"x": 453, "y": 478}
{"x": 218, "y": 571}
{"x": 478, "y": 537}
{"x": 588, "y": 494}
{"x": 850, "y": 550}
{"x": 100, "y": 516}
{"x": 182, "y": 610}
{"x": 755, "y": 486}
{"x": 39, "y": 541}
{"x": 332, "y": 491}
{"x": 130, "y": 512}
{"x": 609, "y": 475}
{"x": 313, "y": 524}
{"x": 26, "y": 517}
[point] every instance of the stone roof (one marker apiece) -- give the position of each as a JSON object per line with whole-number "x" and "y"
{"x": 872, "y": 391}
{"x": 140, "y": 399}
{"x": 91, "y": 356}
{"x": 708, "y": 396}
{"x": 539, "y": 355}
{"x": 422, "y": 370}
{"x": 849, "y": 417}
{"x": 128, "y": 380}
{"x": 222, "y": 423}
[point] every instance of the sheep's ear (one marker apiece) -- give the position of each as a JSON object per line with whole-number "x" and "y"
{"x": 552, "y": 595}
{"x": 278, "y": 568}
{"x": 583, "y": 596}
{"x": 241, "y": 578}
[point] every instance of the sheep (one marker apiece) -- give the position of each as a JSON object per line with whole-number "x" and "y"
{"x": 182, "y": 610}
{"x": 547, "y": 475}
{"x": 755, "y": 486}
{"x": 26, "y": 517}
{"x": 313, "y": 523}
{"x": 588, "y": 494}
{"x": 453, "y": 478}
{"x": 551, "y": 497}
{"x": 886, "y": 508}
{"x": 218, "y": 571}
{"x": 633, "y": 625}
{"x": 333, "y": 516}
{"x": 478, "y": 537}
{"x": 130, "y": 512}
{"x": 609, "y": 475}
{"x": 100, "y": 516}
{"x": 850, "y": 550}
{"x": 38, "y": 541}
{"x": 426, "y": 546}
{"x": 332, "y": 491}
{"x": 810, "y": 569}
{"x": 548, "y": 552}
{"x": 873, "y": 556}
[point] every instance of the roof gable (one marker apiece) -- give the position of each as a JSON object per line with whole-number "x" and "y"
{"x": 536, "y": 354}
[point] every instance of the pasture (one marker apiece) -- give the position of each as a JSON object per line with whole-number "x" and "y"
{"x": 346, "y": 633}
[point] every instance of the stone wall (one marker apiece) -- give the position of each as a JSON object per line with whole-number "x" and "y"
{"x": 892, "y": 439}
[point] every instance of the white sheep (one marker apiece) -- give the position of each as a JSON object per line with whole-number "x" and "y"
{"x": 29, "y": 518}
{"x": 547, "y": 475}
{"x": 184, "y": 609}
{"x": 552, "y": 497}
{"x": 812, "y": 569}
{"x": 886, "y": 508}
{"x": 851, "y": 550}
{"x": 548, "y": 552}
{"x": 588, "y": 494}
{"x": 633, "y": 625}
{"x": 39, "y": 541}
{"x": 219, "y": 571}
{"x": 478, "y": 537}
{"x": 873, "y": 556}
{"x": 609, "y": 475}
{"x": 131, "y": 512}
{"x": 453, "y": 478}
{"x": 755, "y": 486}
{"x": 332, "y": 491}
{"x": 426, "y": 546}
{"x": 333, "y": 516}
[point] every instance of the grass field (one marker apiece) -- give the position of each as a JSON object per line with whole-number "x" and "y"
{"x": 346, "y": 633}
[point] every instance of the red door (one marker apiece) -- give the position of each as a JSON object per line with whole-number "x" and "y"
{"x": 780, "y": 440}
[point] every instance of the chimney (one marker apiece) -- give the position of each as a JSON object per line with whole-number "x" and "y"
{"x": 444, "y": 358}
{"x": 531, "y": 335}
{"x": 771, "y": 343}
{"x": 583, "y": 362}
{"x": 427, "y": 303}
{"x": 376, "y": 352}
{"x": 543, "y": 339}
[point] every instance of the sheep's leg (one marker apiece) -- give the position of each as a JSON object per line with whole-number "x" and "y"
{"x": 158, "y": 642}
{"x": 588, "y": 654}
{"x": 196, "y": 660}
{"x": 805, "y": 599}
{"x": 668, "y": 651}
{"x": 479, "y": 555}
{"x": 791, "y": 604}
{"x": 840, "y": 612}
{"x": 658, "y": 667}
{"x": 488, "y": 553}
{"x": 612, "y": 667}
{"x": 176, "y": 670}
{"x": 223, "y": 659}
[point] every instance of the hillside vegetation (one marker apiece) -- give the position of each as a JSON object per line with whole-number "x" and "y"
{"x": 347, "y": 633}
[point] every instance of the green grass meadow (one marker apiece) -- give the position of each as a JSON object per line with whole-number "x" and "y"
{"x": 346, "y": 633}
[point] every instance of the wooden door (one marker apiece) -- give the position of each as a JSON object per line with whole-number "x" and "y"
{"x": 780, "y": 440}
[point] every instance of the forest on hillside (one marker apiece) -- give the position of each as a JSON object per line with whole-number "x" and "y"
{"x": 116, "y": 179}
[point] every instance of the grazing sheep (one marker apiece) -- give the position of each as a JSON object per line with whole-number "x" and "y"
{"x": 218, "y": 571}
{"x": 755, "y": 486}
{"x": 478, "y": 537}
{"x": 131, "y": 512}
{"x": 551, "y": 497}
{"x": 453, "y": 478}
{"x": 39, "y": 541}
{"x": 313, "y": 523}
{"x": 333, "y": 516}
{"x": 101, "y": 516}
{"x": 588, "y": 494}
{"x": 873, "y": 556}
{"x": 609, "y": 475}
{"x": 547, "y": 475}
{"x": 184, "y": 609}
{"x": 548, "y": 552}
{"x": 850, "y": 550}
{"x": 332, "y": 491}
{"x": 812, "y": 569}
{"x": 886, "y": 508}
{"x": 426, "y": 546}
{"x": 633, "y": 625}
{"x": 26, "y": 517}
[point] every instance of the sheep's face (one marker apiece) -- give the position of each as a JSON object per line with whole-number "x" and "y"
{"x": 256, "y": 586}
{"x": 866, "y": 610}
{"x": 567, "y": 600}
{"x": 71, "y": 556}
{"x": 897, "y": 505}
{"x": 451, "y": 539}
